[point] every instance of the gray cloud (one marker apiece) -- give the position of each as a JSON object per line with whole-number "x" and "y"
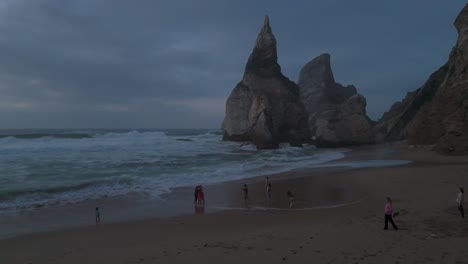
{"x": 119, "y": 63}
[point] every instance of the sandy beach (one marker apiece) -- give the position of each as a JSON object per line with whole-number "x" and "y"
{"x": 233, "y": 132}
{"x": 339, "y": 219}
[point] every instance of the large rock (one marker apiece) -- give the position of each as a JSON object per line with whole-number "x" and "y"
{"x": 385, "y": 127}
{"x": 264, "y": 108}
{"x": 436, "y": 113}
{"x": 337, "y": 114}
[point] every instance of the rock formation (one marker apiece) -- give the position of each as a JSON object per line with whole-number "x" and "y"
{"x": 336, "y": 114}
{"x": 264, "y": 108}
{"x": 436, "y": 113}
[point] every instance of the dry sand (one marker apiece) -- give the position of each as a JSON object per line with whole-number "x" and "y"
{"x": 423, "y": 192}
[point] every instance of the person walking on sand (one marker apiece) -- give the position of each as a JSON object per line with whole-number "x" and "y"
{"x": 245, "y": 189}
{"x": 389, "y": 214}
{"x": 460, "y": 201}
{"x": 292, "y": 199}
{"x": 268, "y": 193}
{"x": 98, "y": 216}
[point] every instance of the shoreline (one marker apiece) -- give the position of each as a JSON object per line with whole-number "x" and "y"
{"x": 430, "y": 231}
{"x": 171, "y": 204}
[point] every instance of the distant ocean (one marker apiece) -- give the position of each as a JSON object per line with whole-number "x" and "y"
{"x": 42, "y": 168}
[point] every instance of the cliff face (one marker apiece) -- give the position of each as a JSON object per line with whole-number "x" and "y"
{"x": 264, "y": 108}
{"x": 436, "y": 113}
{"x": 336, "y": 114}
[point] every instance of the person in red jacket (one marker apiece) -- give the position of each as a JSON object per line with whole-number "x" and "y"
{"x": 201, "y": 196}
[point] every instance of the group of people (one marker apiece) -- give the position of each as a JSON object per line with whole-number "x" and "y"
{"x": 390, "y": 214}
{"x": 199, "y": 201}
{"x": 289, "y": 194}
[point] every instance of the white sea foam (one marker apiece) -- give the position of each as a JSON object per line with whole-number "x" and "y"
{"x": 50, "y": 170}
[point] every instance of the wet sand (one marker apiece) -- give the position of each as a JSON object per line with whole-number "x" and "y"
{"x": 423, "y": 192}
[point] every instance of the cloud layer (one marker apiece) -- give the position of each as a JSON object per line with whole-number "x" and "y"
{"x": 119, "y": 63}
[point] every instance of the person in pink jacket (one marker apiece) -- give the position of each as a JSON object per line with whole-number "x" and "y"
{"x": 460, "y": 201}
{"x": 389, "y": 214}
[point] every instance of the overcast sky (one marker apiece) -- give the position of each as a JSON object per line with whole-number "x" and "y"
{"x": 172, "y": 64}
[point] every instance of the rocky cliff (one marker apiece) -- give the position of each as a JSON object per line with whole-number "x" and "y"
{"x": 336, "y": 113}
{"x": 265, "y": 108}
{"x": 436, "y": 113}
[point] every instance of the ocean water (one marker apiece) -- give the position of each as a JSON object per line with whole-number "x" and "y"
{"x": 43, "y": 168}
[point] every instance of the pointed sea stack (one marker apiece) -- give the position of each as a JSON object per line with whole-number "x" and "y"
{"x": 264, "y": 108}
{"x": 437, "y": 113}
{"x": 337, "y": 114}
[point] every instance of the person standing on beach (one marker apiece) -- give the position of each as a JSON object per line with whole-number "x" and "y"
{"x": 201, "y": 196}
{"x": 389, "y": 214}
{"x": 292, "y": 199}
{"x": 98, "y": 216}
{"x": 267, "y": 181}
{"x": 197, "y": 188}
{"x": 268, "y": 193}
{"x": 460, "y": 201}
{"x": 245, "y": 189}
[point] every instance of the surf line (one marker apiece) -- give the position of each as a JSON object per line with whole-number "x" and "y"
{"x": 262, "y": 208}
